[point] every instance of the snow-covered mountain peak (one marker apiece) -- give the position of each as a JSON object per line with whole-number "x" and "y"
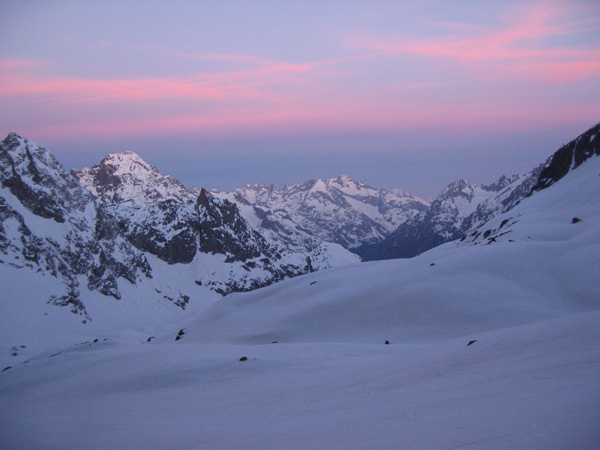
{"x": 339, "y": 210}
{"x": 128, "y": 162}
{"x": 125, "y": 178}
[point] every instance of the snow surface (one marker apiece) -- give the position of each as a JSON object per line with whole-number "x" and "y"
{"x": 318, "y": 374}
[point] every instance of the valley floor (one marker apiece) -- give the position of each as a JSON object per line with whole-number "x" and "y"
{"x": 534, "y": 385}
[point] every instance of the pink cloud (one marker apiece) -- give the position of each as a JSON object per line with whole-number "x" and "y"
{"x": 512, "y": 49}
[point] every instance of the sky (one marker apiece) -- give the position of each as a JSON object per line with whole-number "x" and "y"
{"x": 218, "y": 94}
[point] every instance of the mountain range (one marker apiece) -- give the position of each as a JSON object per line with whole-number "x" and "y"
{"x": 487, "y": 341}
{"x": 121, "y": 221}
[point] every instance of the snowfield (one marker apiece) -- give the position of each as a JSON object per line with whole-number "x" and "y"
{"x": 530, "y": 386}
{"x": 524, "y": 292}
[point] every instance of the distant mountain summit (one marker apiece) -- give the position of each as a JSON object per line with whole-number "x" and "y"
{"x": 340, "y": 210}
{"x": 125, "y": 178}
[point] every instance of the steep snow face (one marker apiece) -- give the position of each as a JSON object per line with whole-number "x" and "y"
{"x": 125, "y": 178}
{"x": 339, "y": 210}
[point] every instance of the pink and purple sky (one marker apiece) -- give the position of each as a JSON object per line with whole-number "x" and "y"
{"x": 407, "y": 94}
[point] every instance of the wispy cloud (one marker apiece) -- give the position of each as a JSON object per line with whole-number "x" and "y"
{"x": 515, "y": 48}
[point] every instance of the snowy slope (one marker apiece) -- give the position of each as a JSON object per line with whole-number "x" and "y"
{"x": 528, "y": 387}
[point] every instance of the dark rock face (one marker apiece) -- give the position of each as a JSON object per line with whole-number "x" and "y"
{"x": 569, "y": 157}
{"x": 36, "y": 178}
{"x": 168, "y": 230}
{"x": 222, "y": 230}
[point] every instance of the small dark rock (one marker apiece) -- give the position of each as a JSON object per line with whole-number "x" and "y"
{"x": 575, "y": 220}
{"x": 387, "y": 342}
{"x": 14, "y": 354}
{"x": 432, "y": 264}
{"x": 275, "y": 342}
{"x": 181, "y": 333}
{"x": 471, "y": 342}
{"x": 150, "y": 338}
{"x": 95, "y": 340}
{"x": 313, "y": 282}
{"x": 243, "y": 358}
{"x": 23, "y": 346}
{"x": 177, "y": 337}
{"x": 6, "y": 368}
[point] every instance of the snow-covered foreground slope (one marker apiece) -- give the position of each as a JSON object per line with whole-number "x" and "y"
{"x": 531, "y": 386}
{"x": 524, "y": 288}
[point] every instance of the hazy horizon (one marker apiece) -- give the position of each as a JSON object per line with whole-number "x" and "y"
{"x": 406, "y": 95}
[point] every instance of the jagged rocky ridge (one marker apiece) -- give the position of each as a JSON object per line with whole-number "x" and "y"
{"x": 460, "y": 207}
{"x": 159, "y": 215}
{"x": 125, "y": 178}
{"x": 52, "y": 225}
{"x": 125, "y": 226}
{"x": 339, "y": 210}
